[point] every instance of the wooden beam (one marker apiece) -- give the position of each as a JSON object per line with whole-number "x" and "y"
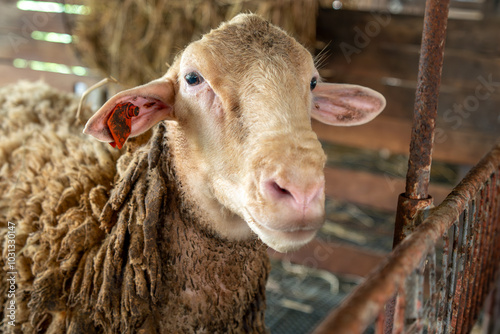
{"x": 332, "y": 257}
{"x": 373, "y": 190}
{"x": 31, "y": 49}
{"x": 476, "y": 36}
{"x": 63, "y": 82}
{"x": 459, "y": 147}
{"x": 24, "y": 22}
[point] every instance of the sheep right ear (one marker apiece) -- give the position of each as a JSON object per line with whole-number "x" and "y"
{"x": 132, "y": 112}
{"x": 345, "y": 105}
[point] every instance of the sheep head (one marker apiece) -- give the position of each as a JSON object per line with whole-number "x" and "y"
{"x": 239, "y": 104}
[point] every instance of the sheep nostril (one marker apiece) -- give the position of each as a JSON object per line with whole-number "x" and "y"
{"x": 279, "y": 190}
{"x": 297, "y": 195}
{"x": 276, "y": 192}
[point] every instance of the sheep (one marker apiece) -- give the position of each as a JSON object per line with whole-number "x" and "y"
{"x": 219, "y": 163}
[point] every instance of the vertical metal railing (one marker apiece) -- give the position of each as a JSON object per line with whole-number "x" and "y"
{"x": 416, "y": 197}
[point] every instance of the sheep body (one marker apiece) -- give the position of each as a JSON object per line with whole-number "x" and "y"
{"x": 47, "y": 174}
{"x": 72, "y": 276}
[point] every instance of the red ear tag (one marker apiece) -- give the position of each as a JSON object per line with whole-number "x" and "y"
{"x": 120, "y": 122}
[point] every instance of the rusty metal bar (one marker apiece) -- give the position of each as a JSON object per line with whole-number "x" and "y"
{"x": 495, "y": 326}
{"x": 379, "y": 324}
{"x": 433, "y": 292}
{"x": 424, "y": 117}
{"x": 416, "y": 197}
{"x": 426, "y": 99}
{"x": 399, "y": 314}
{"x": 471, "y": 305}
{"x": 364, "y": 305}
{"x": 484, "y": 234}
{"x": 468, "y": 271}
{"x": 452, "y": 280}
{"x": 460, "y": 297}
{"x": 442, "y": 284}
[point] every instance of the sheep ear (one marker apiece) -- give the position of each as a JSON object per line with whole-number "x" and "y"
{"x": 132, "y": 112}
{"x": 345, "y": 105}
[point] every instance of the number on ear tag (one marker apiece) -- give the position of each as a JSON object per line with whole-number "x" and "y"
{"x": 120, "y": 122}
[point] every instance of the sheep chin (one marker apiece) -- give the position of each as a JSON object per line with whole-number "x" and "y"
{"x": 282, "y": 241}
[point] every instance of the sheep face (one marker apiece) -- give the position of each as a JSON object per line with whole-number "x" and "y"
{"x": 239, "y": 104}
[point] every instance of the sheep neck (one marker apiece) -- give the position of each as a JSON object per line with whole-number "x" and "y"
{"x": 213, "y": 284}
{"x": 194, "y": 280}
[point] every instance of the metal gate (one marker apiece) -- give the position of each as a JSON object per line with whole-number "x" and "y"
{"x": 442, "y": 272}
{"x": 444, "y": 267}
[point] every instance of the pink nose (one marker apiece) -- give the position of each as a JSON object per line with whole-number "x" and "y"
{"x": 298, "y": 197}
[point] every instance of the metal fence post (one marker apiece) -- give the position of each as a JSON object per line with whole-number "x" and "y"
{"x": 425, "y": 113}
{"x": 416, "y": 196}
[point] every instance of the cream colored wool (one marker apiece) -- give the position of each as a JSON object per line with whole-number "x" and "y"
{"x": 150, "y": 268}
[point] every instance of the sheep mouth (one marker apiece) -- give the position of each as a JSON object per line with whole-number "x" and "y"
{"x": 293, "y": 237}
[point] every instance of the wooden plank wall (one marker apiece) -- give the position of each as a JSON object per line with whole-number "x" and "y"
{"x": 385, "y": 58}
{"x": 16, "y": 27}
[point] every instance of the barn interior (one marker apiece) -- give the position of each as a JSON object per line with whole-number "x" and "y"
{"x": 73, "y": 45}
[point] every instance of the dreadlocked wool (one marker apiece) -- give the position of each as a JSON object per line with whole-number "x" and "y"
{"x": 109, "y": 243}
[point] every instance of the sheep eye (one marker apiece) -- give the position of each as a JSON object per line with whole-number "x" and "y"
{"x": 314, "y": 82}
{"x": 193, "y": 79}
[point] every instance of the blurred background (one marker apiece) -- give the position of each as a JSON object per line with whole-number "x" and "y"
{"x": 73, "y": 45}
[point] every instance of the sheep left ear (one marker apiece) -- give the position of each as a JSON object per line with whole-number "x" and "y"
{"x": 345, "y": 105}
{"x": 132, "y": 112}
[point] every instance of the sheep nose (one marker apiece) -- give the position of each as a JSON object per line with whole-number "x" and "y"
{"x": 301, "y": 197}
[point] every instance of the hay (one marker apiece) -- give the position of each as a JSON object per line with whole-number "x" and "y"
{"x": 135, "y": 40}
